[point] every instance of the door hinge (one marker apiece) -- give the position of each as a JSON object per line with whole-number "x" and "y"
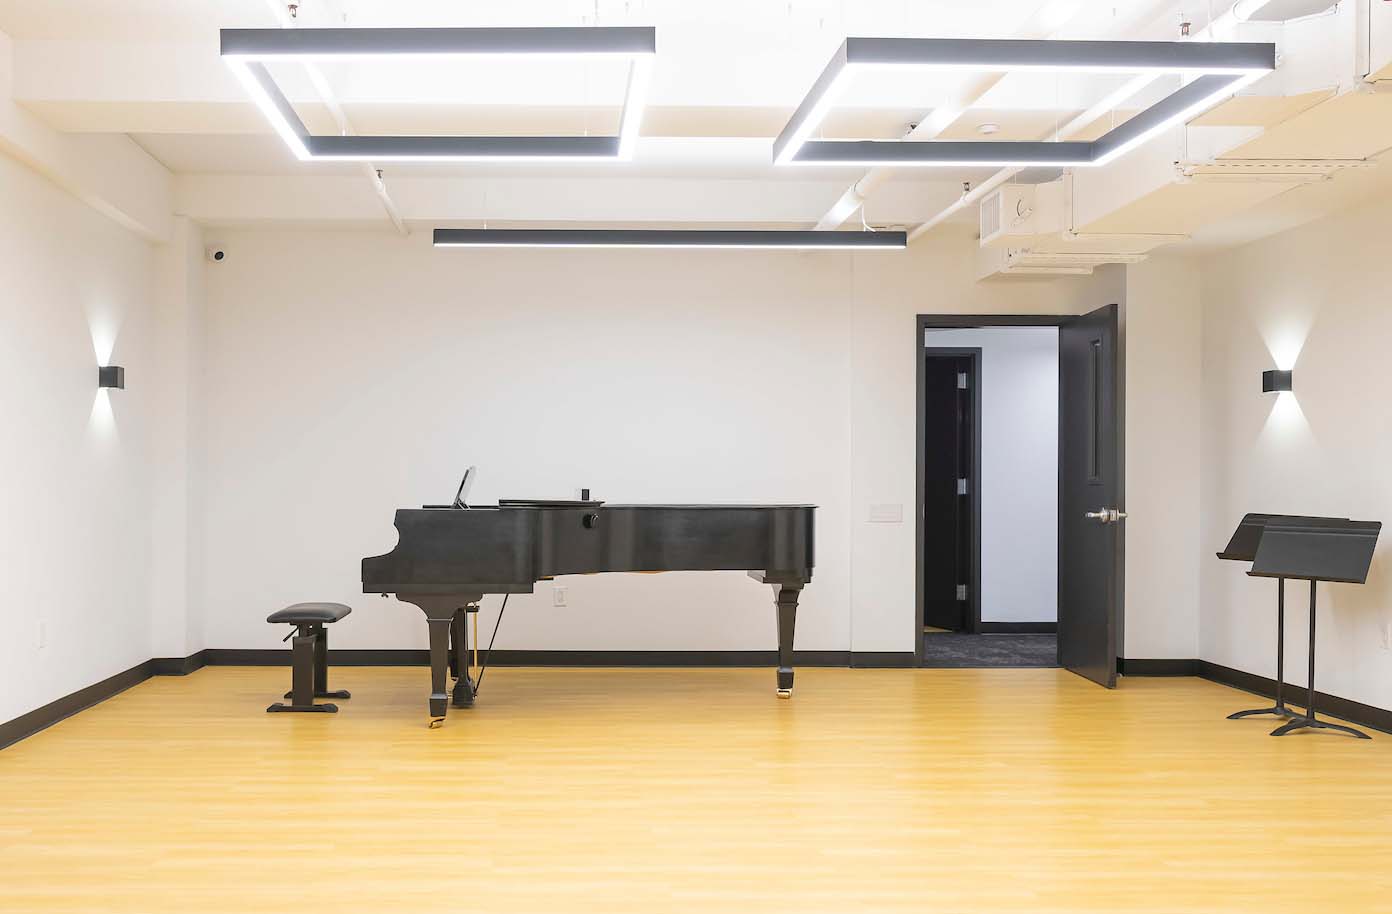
{"x": 961, "y": 591}
{"x": 961, "y": 486}
{"x": 962, "y": 380}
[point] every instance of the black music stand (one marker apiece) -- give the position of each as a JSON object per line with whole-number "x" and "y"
{"x": 1243, "y": 548}
{"x": 1315, "y": 549}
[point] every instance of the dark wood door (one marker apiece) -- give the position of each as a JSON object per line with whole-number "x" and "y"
{"x": 949, "y": 383}
{"x": 1090, "y": 515}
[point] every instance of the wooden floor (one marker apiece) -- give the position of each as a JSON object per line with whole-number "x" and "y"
{"x": 661, "y": 791}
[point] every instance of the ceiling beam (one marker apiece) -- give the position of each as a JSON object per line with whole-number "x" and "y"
{"x": 111, "y": 174}
{"x": 251, "y": 199}
{"x": 91, "y": 86}
{"x": 286, "y": 16}
{"x": 1046, "y": 20}
{"x": 1220, "y": 27}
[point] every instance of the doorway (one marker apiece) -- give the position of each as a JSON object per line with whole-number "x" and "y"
{"x": 1019, "y": 558}
{"x": 951, "y": 421}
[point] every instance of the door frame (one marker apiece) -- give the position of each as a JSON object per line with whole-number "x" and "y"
{"x": 925, "y": 322}
{"x": 972, "y": 618}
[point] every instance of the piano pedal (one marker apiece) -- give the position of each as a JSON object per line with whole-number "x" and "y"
{"x": 785, "y": 693}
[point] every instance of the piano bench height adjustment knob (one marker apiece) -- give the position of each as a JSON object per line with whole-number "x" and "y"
{"x": 589, "y": 521}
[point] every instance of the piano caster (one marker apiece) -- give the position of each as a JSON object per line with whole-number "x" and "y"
{"x": 785, "y": 693}
{"x": 435, "y": 723}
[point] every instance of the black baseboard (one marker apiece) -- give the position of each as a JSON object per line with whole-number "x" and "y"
{"x": 42, "y": 718}
{"x": 500, "y": 657}
{"x": 48, "y": 715}
{"x": 1162, "y": 667}
{"x": 1017, "y": 628}
{"x": 1343, "y": 708}
{"x": 237, "y": 656}
{"x": 179, "y": 666}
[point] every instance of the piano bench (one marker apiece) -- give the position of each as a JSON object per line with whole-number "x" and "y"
{"x": 309, "y": 655}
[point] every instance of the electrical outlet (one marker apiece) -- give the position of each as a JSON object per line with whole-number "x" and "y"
{"x": 558, "y": 595}
{"x": 43, "y": 634}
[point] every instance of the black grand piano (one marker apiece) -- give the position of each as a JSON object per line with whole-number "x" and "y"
{"x": 448, "y": 557}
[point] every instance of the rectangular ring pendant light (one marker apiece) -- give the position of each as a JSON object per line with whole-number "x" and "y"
{"x": 1219, "y": 70}
{"x": 670, "y": 238}
{"x": 248, "y": 51}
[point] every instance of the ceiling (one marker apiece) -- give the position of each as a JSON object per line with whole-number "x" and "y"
{"x": 727, "y": 77}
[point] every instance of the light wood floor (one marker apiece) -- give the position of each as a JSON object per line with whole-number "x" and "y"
{"x": 693, "y": 790}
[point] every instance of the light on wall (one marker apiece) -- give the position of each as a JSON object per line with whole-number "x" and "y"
{"x": 1219, "y": 69}
{"x": 248, "y": 51}
{"x": 1276, "y": 381}
{"x": 112, "y": 376}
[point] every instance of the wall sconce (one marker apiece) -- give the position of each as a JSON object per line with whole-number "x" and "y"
{"x": 113, "y": 376}
{"x": 1276, "y": 381}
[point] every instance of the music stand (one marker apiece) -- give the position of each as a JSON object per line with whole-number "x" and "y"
{"x": 1315, "y": 549}
{"x": 1243, "y": 548}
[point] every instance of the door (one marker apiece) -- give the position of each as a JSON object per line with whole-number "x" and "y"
{"x": 950, "y": 385}
{"x": 1090, "y": 516}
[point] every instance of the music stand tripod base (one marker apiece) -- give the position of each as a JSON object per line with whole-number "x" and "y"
{"x": 1303, "y": 722}
{"x": 1275, "y": 710}
{"x": 1307, "y": 720}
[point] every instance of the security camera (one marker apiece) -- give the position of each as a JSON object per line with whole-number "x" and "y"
{"x": 216, "y": 255}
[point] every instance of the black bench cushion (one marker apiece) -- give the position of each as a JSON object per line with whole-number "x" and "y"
{"x": 310, "y": 612}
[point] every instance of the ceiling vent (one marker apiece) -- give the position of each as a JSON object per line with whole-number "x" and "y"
{"x": 1006, "y": 261}
{"x": 1016, "y": 213}
{"x": 1258, "y": 171}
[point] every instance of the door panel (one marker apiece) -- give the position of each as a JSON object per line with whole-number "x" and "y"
{"x": 944, "y": 546}
{"x": 1090, "y": 556}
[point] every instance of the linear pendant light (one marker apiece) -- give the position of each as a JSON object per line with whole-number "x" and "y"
{"x": 1219, "y": 69}
{"x": 670, "y": 238}
{"x": 248, "y": 51}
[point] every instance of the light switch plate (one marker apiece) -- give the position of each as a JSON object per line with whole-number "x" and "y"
{"x": 558, "y": 595}
{"x": 892, "y": 513}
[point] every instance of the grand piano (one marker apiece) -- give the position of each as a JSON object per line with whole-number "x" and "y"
{"x": 448, "y": 557}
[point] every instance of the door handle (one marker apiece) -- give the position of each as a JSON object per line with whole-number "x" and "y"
{"x": 1106, "y": 515}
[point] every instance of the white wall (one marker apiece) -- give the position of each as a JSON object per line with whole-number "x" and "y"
{"x": 1163, "y": 326}
{"x": 175, "y": 392}
{"x": 351, "y": 373}
{"x": 75, "y": 531}
{"x": 1019, "y": 469}
{"x": 1315, "y": 299}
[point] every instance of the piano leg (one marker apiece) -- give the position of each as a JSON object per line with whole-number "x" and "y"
{"x": 463, "y": 694}
{"x": 785, "y": 597}
{"x": 440, "y": 610}
{"x": 439, "y": 668}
